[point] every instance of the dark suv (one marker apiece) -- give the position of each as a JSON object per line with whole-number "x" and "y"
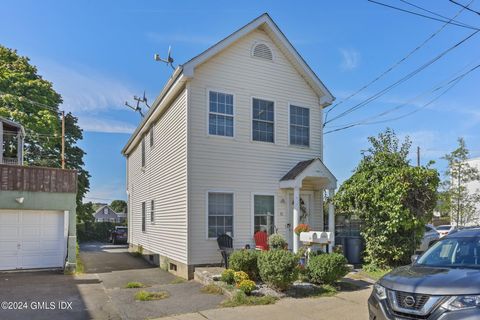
{"x": 443, "y": 283}
{"x": 118, "y": 235}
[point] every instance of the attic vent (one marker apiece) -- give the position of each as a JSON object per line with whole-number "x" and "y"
{"x": 261, "y": 50}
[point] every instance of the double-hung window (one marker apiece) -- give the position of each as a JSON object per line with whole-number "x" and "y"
{"x": 299, "y": 126}
{"x": 264, "y": 213}
{"x": 263, "y": 122}
{"x": 220, "y": 214}
{"x": 143, "y": 216}
{"x": 152, "y": 211}
{"x": 220, "y": 115}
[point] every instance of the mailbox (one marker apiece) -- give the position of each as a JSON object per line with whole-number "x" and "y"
{"x": 320, "y": 237}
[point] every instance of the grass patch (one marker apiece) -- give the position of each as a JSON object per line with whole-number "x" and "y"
{"x": 241, "y": 299}
{"x": 178, "y": 280}
{"x": 80, "y": 267}
{"x": 148, "y": 296}
{"x": 212, "y": 289}
{"x": 135, "y": 284}
{"x": 374, "y": 274}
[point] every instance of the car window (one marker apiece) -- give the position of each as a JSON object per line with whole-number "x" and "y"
{"x": 428, "y": 229}
{"x": 453, "y": 252}
{"x": 443, "y": 228}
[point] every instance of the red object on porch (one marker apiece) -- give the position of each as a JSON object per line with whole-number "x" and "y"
{"x": 261, "y": 240}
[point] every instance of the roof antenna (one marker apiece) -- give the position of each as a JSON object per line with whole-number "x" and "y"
{"x": 168, "y": 60}
{"x": 137, "y": 108}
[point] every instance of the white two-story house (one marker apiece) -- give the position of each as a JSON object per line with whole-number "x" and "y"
{"x": 233, "y": 144}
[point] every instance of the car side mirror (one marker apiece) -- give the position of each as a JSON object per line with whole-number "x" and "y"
{"x": 414, "y": 258}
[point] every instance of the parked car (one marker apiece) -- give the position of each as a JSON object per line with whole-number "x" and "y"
{"x": 430, "y": 236}
{"x": 443, "y": 283}
{"x": 119, "y": 235}
{"x": 445, "y": 229}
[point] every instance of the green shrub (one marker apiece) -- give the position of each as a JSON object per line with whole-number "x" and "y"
{"x": 247, "y": 286}
{"x": 276, "y": 241}
{"x": 327, "y": 268}
{"x": 241, "y": 299}
{"x": 147, "y": 296}
{"x": 240, "y": 276}
{"x": 278, "y": 268}
{"x": 135, "y": 284}
{"x": 228, "y": 276}
{"x": 246, "y": 261}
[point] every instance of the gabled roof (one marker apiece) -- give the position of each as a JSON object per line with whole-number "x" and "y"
{"x": 295, "y": 171}
{"x": 183, "y": 72}
{"x": 308, "y": 168}
{"x": 100, "y": 213}
{"x": 270, "y": 27}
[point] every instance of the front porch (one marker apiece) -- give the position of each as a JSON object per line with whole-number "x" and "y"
{"x": 304, "y": 191}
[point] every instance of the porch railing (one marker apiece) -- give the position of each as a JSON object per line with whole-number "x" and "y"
{"x": 10, "y": 161}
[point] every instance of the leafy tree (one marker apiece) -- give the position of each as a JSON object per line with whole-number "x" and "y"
{"x": 393, "y": 199}
{"x": 455, "y": 198}
{"x": 29, "y": 99}
{"x": 118, "y": 206}
{"x": 86, "y": 215}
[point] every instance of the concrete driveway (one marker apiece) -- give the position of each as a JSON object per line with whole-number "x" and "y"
{"x": 100, "y": 292}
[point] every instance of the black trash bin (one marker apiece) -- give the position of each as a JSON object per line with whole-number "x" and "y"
{"x": 353, "y": 249}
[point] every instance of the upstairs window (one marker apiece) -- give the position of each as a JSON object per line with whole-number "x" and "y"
{"x": 220, "y": 116}
{"x": 143, "y": 152}
{"x": 263, "y": 124}
{"x": 299, "y": 126}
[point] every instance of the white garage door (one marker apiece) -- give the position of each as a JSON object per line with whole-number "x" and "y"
{"x": 32, "y": 239}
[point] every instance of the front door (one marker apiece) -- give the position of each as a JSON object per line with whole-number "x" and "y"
{"x": 305, "y": 213}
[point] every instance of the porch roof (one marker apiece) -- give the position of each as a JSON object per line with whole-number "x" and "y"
{"x": 314, "y": 169}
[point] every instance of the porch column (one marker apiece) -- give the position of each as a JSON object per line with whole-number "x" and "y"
{"x": 331, "y": 218}
{"x": 20, "y": 148}
{"x": 296, "y": 216}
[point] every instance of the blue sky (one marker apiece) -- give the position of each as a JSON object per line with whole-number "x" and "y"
{"x": 99, "y": 54}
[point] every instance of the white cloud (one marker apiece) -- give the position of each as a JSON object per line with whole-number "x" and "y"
{"x": 350, "y": 59}
{"x": 104, "y": 125}
{"x": 84, "y": 89}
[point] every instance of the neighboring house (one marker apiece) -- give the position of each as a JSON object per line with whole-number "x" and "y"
{"x": 106, "y": 214}
{"x": 12, "y": 135}
{"x": 233, "y": 144}
{"x": 474, "y": 187}
{"x": 37, "y": 214}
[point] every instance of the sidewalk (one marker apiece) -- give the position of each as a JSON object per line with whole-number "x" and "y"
{"x": 346, "y": 305}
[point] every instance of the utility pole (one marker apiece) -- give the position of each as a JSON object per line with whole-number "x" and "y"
{"x": 418, "y": 156}
{"x": 63, "y": 139}
{"x": 458, "y": 193}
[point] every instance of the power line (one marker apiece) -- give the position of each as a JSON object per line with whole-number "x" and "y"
{"x": 424, "y": 16}
{"x": 465, "y": 7}
{"x": 23, "y": 99}
{"x": 437, "y": 14}
{"x": 433, "y": 35}
{"x": 450, "y": 85}
{"x": 403, "y": 79}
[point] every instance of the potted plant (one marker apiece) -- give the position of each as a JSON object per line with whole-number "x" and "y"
{"x": 302, "y": 227}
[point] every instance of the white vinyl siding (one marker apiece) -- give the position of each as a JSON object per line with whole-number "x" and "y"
{"x": 220, "y": 116}
{"x": 241, "y": 165}
{"x": 299, "y": 126}
{"x": 164, "y": 179}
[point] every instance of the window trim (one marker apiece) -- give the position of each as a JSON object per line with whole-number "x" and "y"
{"x": 151, "y": 136}
{"x": 274, "y": 120}
{"x": 309, "y": 126}
{"x": 206, "y": 211}
{"x": 218, "y": 90}
{"x": 252, "y": 207}
{"x": 144, "y": 216}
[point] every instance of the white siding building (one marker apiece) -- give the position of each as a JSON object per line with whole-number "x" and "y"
{"x": 233, "y": 144}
